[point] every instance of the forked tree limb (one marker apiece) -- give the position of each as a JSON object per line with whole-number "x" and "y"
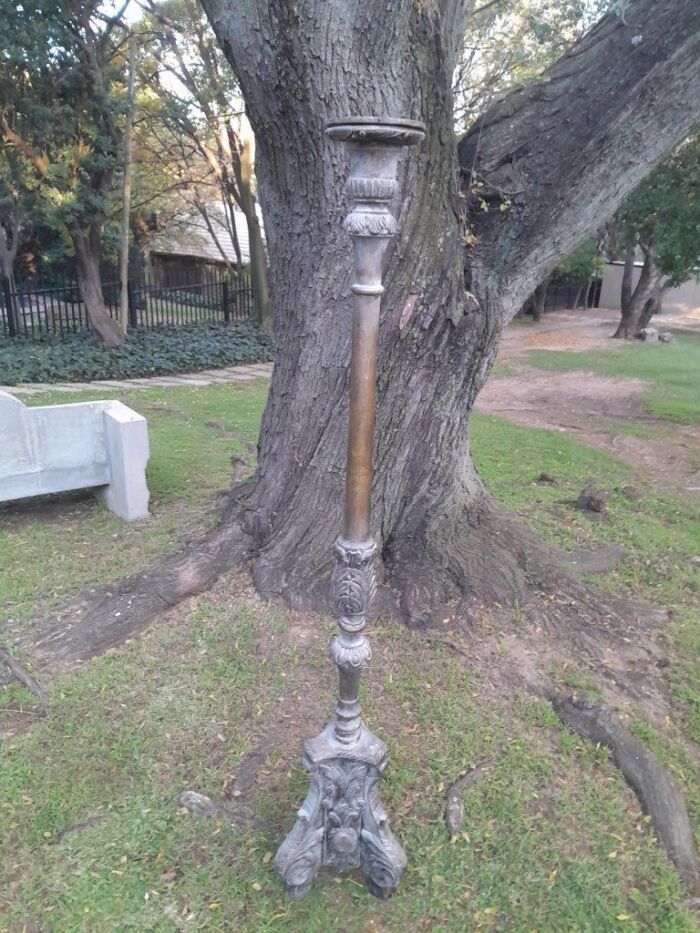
{"x": 565, "y": 151}
{"x": 652, "y": 784}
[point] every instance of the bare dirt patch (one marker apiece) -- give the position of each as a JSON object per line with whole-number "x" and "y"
{"x": 602, "y": 411}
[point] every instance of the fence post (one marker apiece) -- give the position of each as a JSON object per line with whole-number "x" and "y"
{"x": 10, "y": 308}
{"x": 131, "y": 299}
{"x": 225, "y": 296}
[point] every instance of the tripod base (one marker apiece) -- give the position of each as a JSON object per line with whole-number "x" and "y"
{"x": 342, "y": 823}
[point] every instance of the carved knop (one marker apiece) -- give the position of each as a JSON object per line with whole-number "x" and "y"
{"x": 371, "y": 189}
{"x": 349, "y": 655}
{"x": 370, "y": 223}
{"x": 354, "y": 584}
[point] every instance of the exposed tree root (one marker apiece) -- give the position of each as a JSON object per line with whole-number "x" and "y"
{"x": 658, "y": 795}
{"x": 454, "y": 806}
{"x": 465, "y": 566}
{"x": 105, "y": 616}
{"x": 19, "y": 674}
{"x": 471, "y": 562}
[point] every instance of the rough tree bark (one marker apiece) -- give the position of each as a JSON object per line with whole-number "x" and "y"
{"x": 302, "y": 64}
{"x": 638, "y": 304}
{"x": 627, "y": 279}
{"x": 652, "y": 307}
{"x": 87, "y": 257}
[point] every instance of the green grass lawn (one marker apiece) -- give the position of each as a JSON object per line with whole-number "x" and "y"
{"x": 672, "y": 369}
{"x": 93, "y": 837}
{"x": 193, "y": 436}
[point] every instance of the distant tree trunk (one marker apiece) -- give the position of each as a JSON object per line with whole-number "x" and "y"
{"x": 9, "y": 246}
{"x": 627, "y": 277}
{"x": 577, "y": 299}
{"x": 258, "y": 259}
{"x": 87, "y": 255}
{"x": 139, "y": 253}
{"x": 633, "y": 304}
{"x": 126, "y": 194}
{"x": 301, "y": 64}
{"x": 651, "y": 307}
{"x": 539, "y": 299}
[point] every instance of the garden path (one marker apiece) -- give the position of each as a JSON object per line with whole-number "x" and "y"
{"x": 206, "y": 377}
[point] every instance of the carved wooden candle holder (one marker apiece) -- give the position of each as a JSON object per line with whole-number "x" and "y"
{"x": 342, "y": 822}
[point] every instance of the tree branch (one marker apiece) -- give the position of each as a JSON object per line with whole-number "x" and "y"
{"x": 38, "y": 159}
{"x": 573, "y": 145}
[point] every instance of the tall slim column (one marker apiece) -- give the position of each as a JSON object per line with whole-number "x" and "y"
{"x": 342, "y": 822}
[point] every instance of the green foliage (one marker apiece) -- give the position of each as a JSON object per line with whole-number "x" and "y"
{"x": 663, "y": 213}
{"x": 61, "y": 108}
{"x": 146, "y": 353}
{"x": 584, "y": 262}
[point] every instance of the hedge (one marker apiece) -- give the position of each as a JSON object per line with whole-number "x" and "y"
{"x": 160, "y": 352}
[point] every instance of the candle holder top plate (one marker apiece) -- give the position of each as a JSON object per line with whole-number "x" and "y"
{"x": 388, "y": 131}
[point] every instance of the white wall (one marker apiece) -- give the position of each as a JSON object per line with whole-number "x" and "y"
{"x": 675, "y": 300}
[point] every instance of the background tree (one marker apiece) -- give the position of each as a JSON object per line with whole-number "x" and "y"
{"x": 61, "y": 102}
{"x": 661, "y": 219}
{"x": 13, "y": 209}
{"x": 202, "y": 111}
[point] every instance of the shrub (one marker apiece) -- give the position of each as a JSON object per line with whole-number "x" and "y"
{"x": 160, "y": 352}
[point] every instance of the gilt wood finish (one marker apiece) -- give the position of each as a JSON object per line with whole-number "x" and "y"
{"x": 342, "y": 823}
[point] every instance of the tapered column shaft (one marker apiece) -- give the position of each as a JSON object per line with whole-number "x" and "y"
{"x": 361, "y": 414}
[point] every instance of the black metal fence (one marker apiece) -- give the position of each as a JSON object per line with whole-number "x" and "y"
{"x": 37, "y": 310}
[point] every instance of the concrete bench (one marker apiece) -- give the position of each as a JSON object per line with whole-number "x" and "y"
{"x": 54, "y": 448}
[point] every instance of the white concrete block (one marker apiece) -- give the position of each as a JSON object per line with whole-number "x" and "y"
{"x": 126, "y": 434}
{"x": 53, "y": 448}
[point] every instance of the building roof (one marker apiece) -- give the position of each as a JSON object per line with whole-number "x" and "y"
{"x": 186, "y": 234}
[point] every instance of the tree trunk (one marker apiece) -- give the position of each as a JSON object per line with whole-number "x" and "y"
{"x": 258, "y": 258}
{"x": 87, "y": 255}
{"x": 637, "y": 306}
{"x": 651, "y": 307}
{"x": 439, "y": 535}
{"x": 627, "y": 276}
{"x": 126, "y": 194}
{"x": 539, "y": 300}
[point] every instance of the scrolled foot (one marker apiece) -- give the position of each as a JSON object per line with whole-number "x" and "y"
{"x": 342, "y": 823}
{"x": 300, "y": 856}
{"x": 382, "y": 894}
{"x": 382, "y": 859}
